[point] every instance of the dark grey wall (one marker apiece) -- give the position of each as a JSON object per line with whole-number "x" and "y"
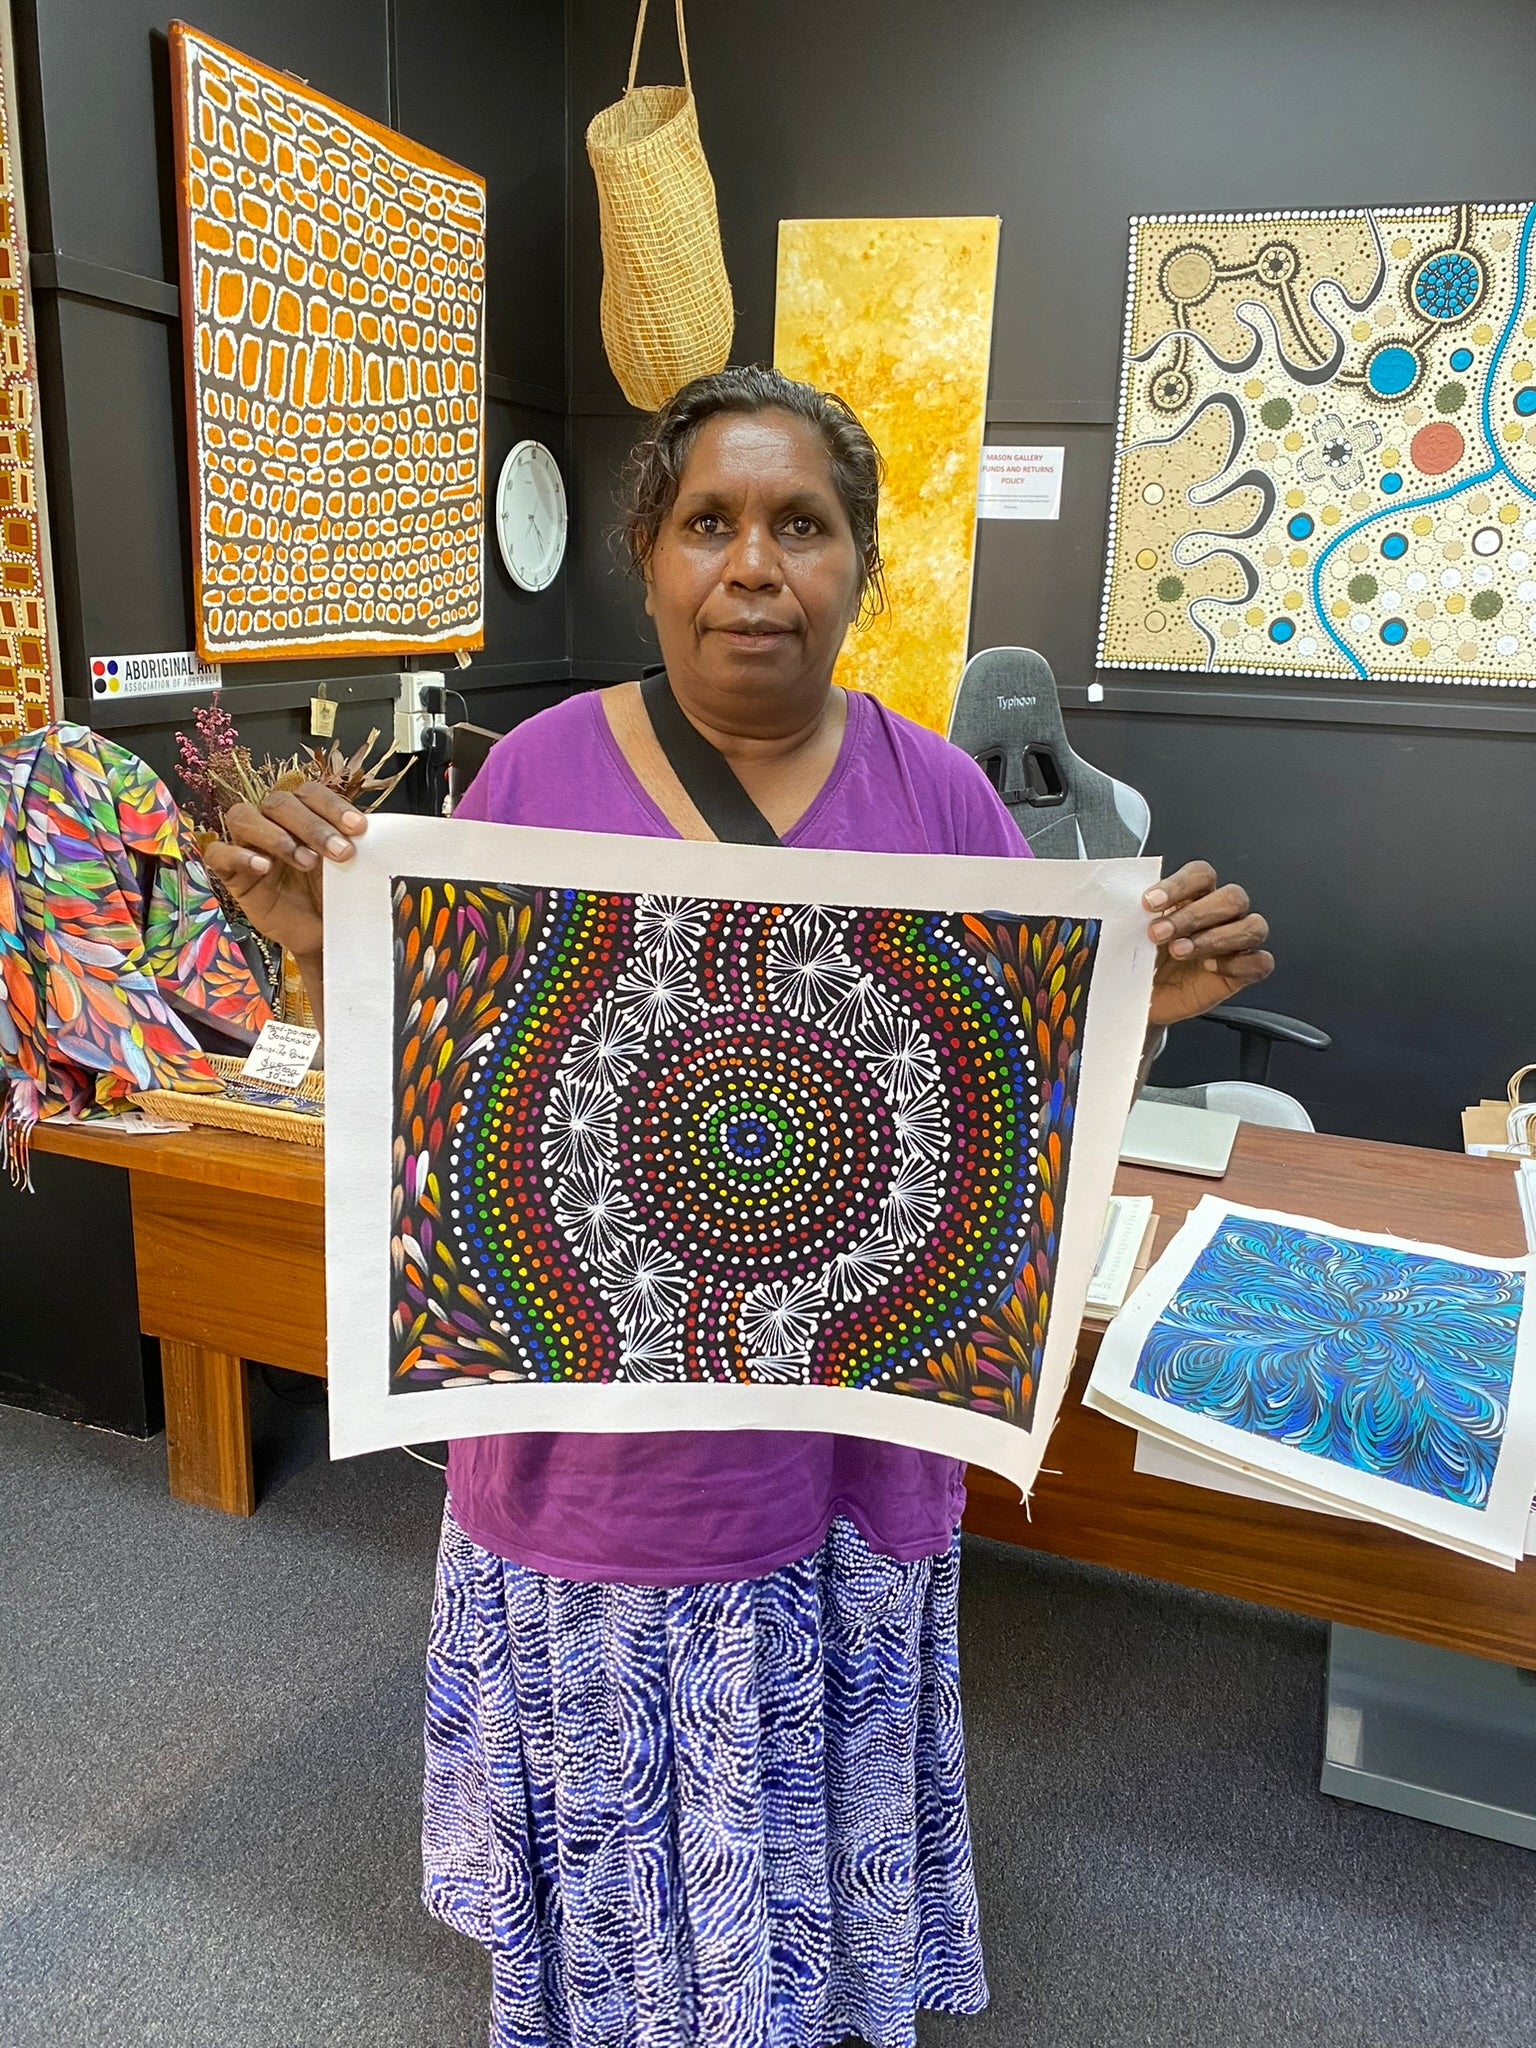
{"x": 1394, "y": 858}
{"x": 482, "y": 80}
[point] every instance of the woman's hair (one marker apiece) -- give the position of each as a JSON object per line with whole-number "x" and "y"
{"x": 656, "y": 463}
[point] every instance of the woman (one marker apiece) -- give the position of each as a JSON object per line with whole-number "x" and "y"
{"x": 694, "y": 1760}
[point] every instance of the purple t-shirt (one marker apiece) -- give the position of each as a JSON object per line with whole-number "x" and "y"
{"x": 681, "y": 1509}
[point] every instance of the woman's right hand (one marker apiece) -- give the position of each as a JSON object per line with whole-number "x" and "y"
{"x": 271, "y": 861}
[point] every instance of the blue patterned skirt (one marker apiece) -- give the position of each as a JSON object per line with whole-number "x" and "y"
{"x": 704, "y": 1816}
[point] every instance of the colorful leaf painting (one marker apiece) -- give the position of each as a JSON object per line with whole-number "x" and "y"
{"x": 107, "y": 921}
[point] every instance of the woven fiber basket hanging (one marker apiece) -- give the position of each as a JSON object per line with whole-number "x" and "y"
{"x": 666, "y": 313}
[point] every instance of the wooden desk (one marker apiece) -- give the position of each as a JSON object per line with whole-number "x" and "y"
{"x": 230, "y": 1249}
{"x": 1093, "y": 1505}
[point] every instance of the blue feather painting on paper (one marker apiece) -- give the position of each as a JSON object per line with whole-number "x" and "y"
{"x": 1395, "y": 1363}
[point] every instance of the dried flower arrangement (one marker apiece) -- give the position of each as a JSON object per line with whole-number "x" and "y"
{"x": 218, "y": 772}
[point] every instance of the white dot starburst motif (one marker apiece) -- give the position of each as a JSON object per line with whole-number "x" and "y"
{"x": 596, "y": 1214}
{"x": 579, "y": 1128}
{"x": 647, "y": 1283}
{"x": 670, "y": 924}
{"x": 922, "y": 1126}
{"x": 900, "y": 1055}
{"x": 861, "y": 1269}
{"x": 794, "y": 1370}
{"x": 694, "y": 973}
{"x": 650, "y": 1351}
{"x": 808, "y": 967}
{"x": 608, "y": 1044}
{"x": 660, "y": 992}
{"x": 912, "y": 1201}
{"x": 780, "y": 1318}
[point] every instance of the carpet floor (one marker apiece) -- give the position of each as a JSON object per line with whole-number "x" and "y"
{"x": 209, "y": 1781}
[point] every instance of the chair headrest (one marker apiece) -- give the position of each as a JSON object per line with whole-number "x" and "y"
{"x": 1007, "y": 696}
{"x": 1007, "y": 716}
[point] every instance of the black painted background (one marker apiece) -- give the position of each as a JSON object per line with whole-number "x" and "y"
{"x": 1397, "y": 863}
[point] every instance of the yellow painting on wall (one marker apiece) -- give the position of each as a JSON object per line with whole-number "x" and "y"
{"x": 896, "y": 317}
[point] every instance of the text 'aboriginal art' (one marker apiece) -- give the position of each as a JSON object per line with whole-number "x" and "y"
{"x": 333, "y": 275}
{"x": 1389, "y": 1362}
{"x": 1326, "y": 455}
{"x": 665, "y": 1139}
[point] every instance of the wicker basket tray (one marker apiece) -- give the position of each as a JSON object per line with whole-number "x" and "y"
{"x": 296, "y": 1115}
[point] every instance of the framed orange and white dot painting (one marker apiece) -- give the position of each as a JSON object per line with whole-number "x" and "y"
{"x": 333, "y": 278}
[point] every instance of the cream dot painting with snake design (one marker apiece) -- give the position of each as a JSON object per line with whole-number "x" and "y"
{"x": 1326, "y": 446}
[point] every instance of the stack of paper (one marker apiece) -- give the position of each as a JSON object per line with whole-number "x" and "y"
{"x": 1160, "y": 1459}
{"x": 1124, "y": 1252}
{"x": 1361, "y": 1374}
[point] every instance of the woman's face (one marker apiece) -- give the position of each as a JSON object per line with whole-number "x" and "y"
{"x": 754, "y": 577}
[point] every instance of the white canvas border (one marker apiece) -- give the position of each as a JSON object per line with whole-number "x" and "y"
{"x": 359, "y": 979}
{"x": 1495, "y": 1534}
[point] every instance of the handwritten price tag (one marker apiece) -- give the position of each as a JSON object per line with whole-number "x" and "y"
{"x": 282, "y": 1055}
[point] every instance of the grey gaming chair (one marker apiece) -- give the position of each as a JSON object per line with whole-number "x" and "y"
{"x": 1007, "y": 716}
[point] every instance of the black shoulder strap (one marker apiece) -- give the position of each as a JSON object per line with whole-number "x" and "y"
{"x": 703, "y": 770}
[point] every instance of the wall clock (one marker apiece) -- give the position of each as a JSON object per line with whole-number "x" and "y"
{"x": 531, "y": 519}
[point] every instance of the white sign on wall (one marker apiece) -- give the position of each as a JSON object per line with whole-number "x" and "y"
{"x": 1020, "y": 483}
{"x": 150, "y": 675}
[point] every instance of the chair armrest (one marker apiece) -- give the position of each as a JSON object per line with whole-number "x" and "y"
{"x": 1271, "y": 1025}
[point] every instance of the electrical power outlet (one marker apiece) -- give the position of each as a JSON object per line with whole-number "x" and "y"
{"x": 418, "y": 704}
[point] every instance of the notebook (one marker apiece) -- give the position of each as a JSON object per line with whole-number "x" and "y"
{"x": 1172, "y": 1134}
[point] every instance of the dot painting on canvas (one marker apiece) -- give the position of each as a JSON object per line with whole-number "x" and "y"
{"x": 1326, "y": 460}
{"x": 28, "y": 654}
{"x": 333, "y": 273}
{"x": 1391, "y": 1362}
{"x": 660, "y": 1138}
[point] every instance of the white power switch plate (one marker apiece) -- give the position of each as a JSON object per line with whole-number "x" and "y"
{"x": 411, "y": 721}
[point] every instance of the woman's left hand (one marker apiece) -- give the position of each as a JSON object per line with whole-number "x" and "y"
{"x": 1209, "y": 943}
